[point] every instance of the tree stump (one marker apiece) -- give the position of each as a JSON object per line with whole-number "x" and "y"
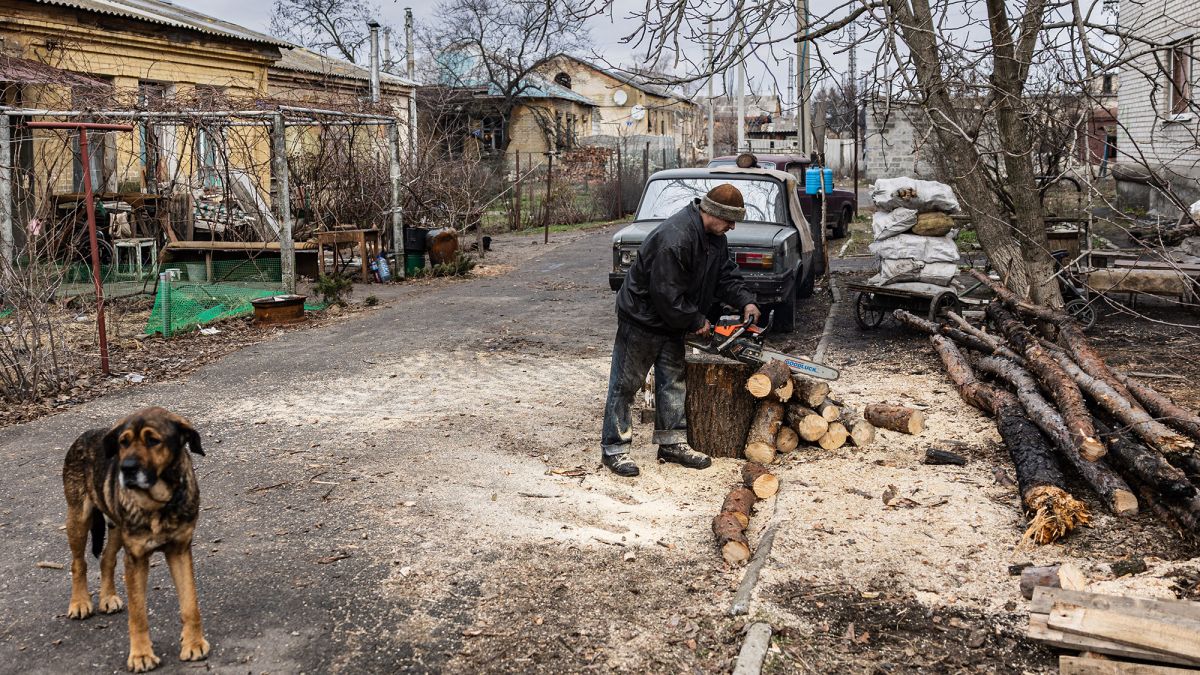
{"x": 719, "y": 409}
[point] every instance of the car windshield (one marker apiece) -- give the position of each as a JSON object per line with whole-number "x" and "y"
{"x": 664, "y": 197}
{"x": 733, "y": 162}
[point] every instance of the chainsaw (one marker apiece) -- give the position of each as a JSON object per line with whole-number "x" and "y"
{"x": 743, "y": 341}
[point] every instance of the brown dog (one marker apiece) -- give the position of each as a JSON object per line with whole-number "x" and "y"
{"x": 138, "y": 477}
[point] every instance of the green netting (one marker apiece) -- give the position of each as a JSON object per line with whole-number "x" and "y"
{"x": 192, "y": 300}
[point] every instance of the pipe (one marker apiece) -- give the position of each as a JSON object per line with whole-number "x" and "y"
{"x": 373, "y": 26}
{"x": 287, "y": 247}
{"x": 7, "y": 232}
{"x": 397, "y": 199}
{"x": 711, "y": 118}
{"x": 412, "y": 76}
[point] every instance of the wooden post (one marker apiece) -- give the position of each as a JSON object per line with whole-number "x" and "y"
{"x": 397, "y": 202}
{"x": 646, "y": 163}
{"x": 287, "y": 247}
{"x": 7, "y": 234}
{"x": 546, "y": 200}
{"x": 517, "y": 193}
{"x": 620, "y": 186}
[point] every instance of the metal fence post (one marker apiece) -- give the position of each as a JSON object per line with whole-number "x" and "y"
{"x": 164, "y": 288}
{"x": 397, "y": 200}
{"x": 283, "y": 192}
{"x": 646, "y": 163}
{"x": 7, "y": 235}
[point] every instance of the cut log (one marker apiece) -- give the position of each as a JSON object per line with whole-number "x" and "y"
{"x": 933, "y": 224}
{"x": 1150, "y": 430}
{"x": 1052, "y": 511}
{"x": 719, "y": 409}
{"x": 760, "y": 440}
{"x": 936, "y": 457}
{"x": 741, "y": 502}
{"x": 896, "y": 418}
{"x": 806, "y": 423}
{"x": 1056, "y": 381}
{"x": 829, "y": 409}
{"x": 1065, "y": 576}
{"x": 774, "y": 377}
{"x": 1161, "y": 407}
{"x": 1147, "y": 466}
{"x": 834, "y": 438}
{"x": 1108, "y": 485}
{"x": 808, "y": 391}
{"x": 998, "y": 346}
{"x": 787, "y": 439}
{"x": 760, "y": 480}
{"x": 731, "y": 538}
{"x": 1188, "y": 463}
{"x": 862, "y": 432}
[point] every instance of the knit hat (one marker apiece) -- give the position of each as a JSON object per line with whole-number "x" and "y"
{"x": 724, "y": 202}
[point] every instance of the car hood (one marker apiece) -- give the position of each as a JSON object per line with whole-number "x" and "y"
{"x": 745, "y": 234}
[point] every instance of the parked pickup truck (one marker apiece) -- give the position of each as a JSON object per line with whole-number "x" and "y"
{"x": 841, "y": 204}
{"x": 776, "y": 249}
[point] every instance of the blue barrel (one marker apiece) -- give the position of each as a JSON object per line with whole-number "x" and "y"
{"x": 812, "y": 180}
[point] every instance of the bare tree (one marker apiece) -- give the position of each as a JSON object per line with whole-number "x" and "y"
{"x": 332, "y": 27}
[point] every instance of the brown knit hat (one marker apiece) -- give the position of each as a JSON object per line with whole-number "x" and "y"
{"x": 724, "y": 202}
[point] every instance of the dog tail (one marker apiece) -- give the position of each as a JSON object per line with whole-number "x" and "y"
{"x": 98, "y": 528}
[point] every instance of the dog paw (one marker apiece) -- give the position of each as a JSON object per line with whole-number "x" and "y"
{"x": 80, "y": 609}
{"x": 194, "y": 650}
{"x": 140, "y": 663}
{"x": 111, "y": 604}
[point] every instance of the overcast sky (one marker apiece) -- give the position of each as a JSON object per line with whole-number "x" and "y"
{"x": 764, "y": 74}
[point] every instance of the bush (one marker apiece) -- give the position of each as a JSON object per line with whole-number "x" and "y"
{"x": 333, "y": 289}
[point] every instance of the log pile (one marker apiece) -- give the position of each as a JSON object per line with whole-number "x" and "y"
{"x": 729, "y": 526}
{"x": 1059, "y": 406}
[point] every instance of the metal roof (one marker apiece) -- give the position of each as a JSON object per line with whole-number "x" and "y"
{"x": 462, "y": 68}
{"x": 653, "y": 90}
{"x": 304, "y": 60}
{"x": 24, "y": 71}
{"x": 169, "y": 14}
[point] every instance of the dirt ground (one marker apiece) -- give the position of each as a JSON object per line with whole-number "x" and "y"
{"x": 417, "y": 488}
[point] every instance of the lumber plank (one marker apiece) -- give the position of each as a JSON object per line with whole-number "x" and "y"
{"x": 1074, "y": 665}
{"x": 1040, "y": 631}
{"x": 1045, "y": 597}
{"x": 1136, "y": 631}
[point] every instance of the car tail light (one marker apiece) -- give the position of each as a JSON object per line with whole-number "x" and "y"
{"x": 763, "y": 261}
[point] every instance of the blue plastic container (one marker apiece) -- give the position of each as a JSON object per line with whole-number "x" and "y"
{"x": 812, "y": 180}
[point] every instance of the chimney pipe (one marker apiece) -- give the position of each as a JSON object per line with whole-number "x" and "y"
{"x": 373, "y": 25}
{"x": 387, "y": 50}
{"x": 412, "y": 75}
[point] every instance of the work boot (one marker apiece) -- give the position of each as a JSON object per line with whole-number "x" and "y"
{"x": 681, "y": 453}
{"x": 621, "y": 464}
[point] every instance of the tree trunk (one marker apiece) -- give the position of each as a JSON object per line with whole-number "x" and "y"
{"x": 1161, "y": 407}
{"x": 774, "y": 377}
{"x": 959, "y": 336}
{"x": 896, "y": 418}
{"x": 787, "y": 439}
{"x": 1148, "y": 466}
{"x": 1054, "y": 379}
{"x": 762, "y": 482}
{"x": 1113, "y": 491}
{"x": 808, "y": 391}
{"x": 807, "y": 423}
{"x": 760, "y": 441}
{"x": 719, "y": 409}
{"x": 1053, "y": 511}
{"x": 834, "y": 438}
{"x": 862, "y": 432}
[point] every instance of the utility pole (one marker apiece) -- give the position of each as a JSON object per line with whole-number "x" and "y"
{"x": 387, "y": 50}
{"x": 853, "y": 34}
{"x": 412, "y": 76}
{"x": 741, "y": 103}
{"x": 791, "y": 80}
{"x": 711, "y": 103}
{"x": 373, "y": 25}
{"x": 803, "y": 130}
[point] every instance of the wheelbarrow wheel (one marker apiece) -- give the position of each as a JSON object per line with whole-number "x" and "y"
{"x": 866, "y": 314}
{"x": 947, "y": 301}
{"x": 1083, "y": 312}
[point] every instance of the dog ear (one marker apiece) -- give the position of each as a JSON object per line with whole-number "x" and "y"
{"x": 111, "y": 440}
{"x": 189, "y": 434}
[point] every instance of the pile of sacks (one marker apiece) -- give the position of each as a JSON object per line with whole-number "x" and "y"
{"x": 914, "y": 235}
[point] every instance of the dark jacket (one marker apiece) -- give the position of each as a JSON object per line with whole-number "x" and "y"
{"x": 679, "y": 271}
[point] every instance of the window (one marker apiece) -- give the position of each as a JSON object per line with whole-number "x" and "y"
{"x": 491, "y": 134}
{"x": 1106, "y": 85}
{"x": 1180, "y": 76}
{"x": 154, "y": 170}
{"x": 563, "y": 80}
{"x": 764, "y": 198}
{"x": 210, "y": 140}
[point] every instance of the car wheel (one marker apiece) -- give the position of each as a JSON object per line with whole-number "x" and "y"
{"x": 842, "y": 227}
{"x": 1083, "y": 312}
{"x": 785, "y": 316}
{"x": 805, "y": 289}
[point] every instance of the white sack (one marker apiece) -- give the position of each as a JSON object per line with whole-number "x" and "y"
{"x": 906, "y": 269}
{"x": 922, "y": 195}
{"x": 916, "y": 247}
{"x": 940, "y": 274}
{"x": 891, "y": 223}
{"x": 1195, "y": 210}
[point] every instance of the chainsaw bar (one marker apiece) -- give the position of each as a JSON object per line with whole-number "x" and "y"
{"x": 752, "y": 353}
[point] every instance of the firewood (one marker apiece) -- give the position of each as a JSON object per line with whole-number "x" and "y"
{"x": 939, "y": 457}
{"x": 1052, "y": 511}
{"x": 1056, "y": 381}
{"x": 760, "y": 441}
{"x": 834, "y": 438}
{"x": 1147, "y": 466}
{"x": 1161, "y": 407}
{"x": 787, "y": 439}
{"x": 1111, "y": 488}
{"x": 806, "y": 423}
{"x": 740, "y": 502}
{"x": 896, "y": 418}
{"x": 808, "y": 391}
{"x": 1066, "y": 576}
{"x": 862, "y": 432}
{"x": 933, "y": 224}
{"x": 774, "y": 377}
{"x": 759, "y": 479}
{"x": 829, "y": 409}
{"x": 731, "y": 538}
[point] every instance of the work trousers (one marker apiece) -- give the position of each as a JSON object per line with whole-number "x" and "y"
{"x": 635, "y": 350}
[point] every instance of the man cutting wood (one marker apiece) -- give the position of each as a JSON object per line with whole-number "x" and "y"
{"x": 681, "y": 268}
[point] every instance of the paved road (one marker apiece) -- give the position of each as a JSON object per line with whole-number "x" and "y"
{"x": 412, "y": 489}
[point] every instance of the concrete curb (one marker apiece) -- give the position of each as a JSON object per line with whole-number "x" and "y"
{"x": 823, "y": 343}
{"x": 754, "y": 650}
{"x": 741, "y": 599}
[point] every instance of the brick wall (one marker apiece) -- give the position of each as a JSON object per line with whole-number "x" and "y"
{"x": 896, "y": 143}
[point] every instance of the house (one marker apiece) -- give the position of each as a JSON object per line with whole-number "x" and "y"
{"x": 766, "y": 129}
{"x": 628, "y": 106}
{"x": 1159, "y": 105}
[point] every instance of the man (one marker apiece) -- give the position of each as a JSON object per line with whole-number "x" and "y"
{"x": 680, "y": 269}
